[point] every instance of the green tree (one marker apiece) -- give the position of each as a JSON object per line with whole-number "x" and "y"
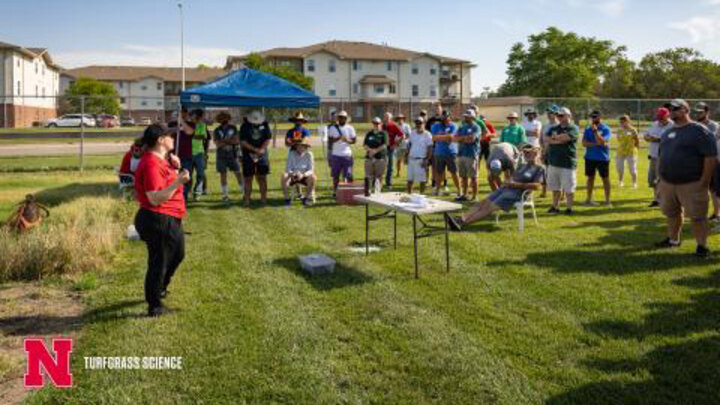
{"x": 620, "y": 81}
{"x": 100, "y": 97}
{"x": 679, "y": 72}
{"x": 257, "y": 62}
{"x": 559, "y": 64}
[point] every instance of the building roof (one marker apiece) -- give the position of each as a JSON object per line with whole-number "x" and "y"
{"x": 505, "y": 101}
{"x": 32, "y": 53}
{"x": 350, "y": 50}
{"x": 135, "y": 73}
{"x": 376, "y": 79}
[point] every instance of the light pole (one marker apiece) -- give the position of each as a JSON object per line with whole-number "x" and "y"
{"x": 182, "y": 45}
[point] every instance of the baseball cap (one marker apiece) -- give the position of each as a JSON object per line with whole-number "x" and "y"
{"x": 564, "y": 111}
{"x": 553, "y": 109}
{"x": 495, "y": 166}
{"x": 470, "y": 113}
{"x": 595, "y": 113}
{"x": 530, "y": 111}
{"x": 702, "y": 107}
{"x": 678, "y": 102}
{"x": 662, "y": 112}
{"x": 376, "y": 120}
{"x": 420, "y": 119}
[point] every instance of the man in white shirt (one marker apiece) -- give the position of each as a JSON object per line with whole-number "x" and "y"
{"x": 340, "y": 138}
{"x": 420, "y": 146}
{"x": 532, "y": 126}
{"x": 652, "y": 136}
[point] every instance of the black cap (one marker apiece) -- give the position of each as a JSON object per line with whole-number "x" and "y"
{"x": 702, "y": 106}
{"x": 595, "y": 113}
{"x": 445, "y": 115}
{"x": 153, "y": 133}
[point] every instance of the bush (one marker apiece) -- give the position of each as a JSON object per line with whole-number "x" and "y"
{"x": 79, "y": 236}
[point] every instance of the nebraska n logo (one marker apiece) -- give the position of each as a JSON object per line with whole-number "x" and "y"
{"x": 57, "y": 368}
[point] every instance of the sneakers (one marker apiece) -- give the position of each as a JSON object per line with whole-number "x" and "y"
{"x": 608, "y": 204}
{"x": 288, "y": 202}
{"x": 667, "y": 243}
{"x": 455, "y": 223}
{"x": 653, "y": 204}
{"x": 225, "y": 198}
{"x": 702, "y": 252}
{"x": 553, "y": 210}
{"x": 621, "y": 184}
{"x": 460, "y": 198}
{"x": 569, "y": 211}
{"x": 635, "y": 186}
{"x": 436, "y": 193}
{"x": 591, "y": 203}
{"x": 308, "y": 202}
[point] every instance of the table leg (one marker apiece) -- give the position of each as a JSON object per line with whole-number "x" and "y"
{"x": 395, "y": 229}
{"x": 447, "y": 242}
{"x": 367, "y": 229}
{"x": 415, "y": 244}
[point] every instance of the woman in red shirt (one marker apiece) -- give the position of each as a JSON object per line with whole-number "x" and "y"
{"x": 159, "y": 190}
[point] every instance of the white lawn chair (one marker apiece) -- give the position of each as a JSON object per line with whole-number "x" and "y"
{"x": 525, "y": 201}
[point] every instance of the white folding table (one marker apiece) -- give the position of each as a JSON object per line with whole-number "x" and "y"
{"x": 391, "y": 203}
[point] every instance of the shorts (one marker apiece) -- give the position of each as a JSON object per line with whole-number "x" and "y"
{"x": 416, "y": 171}
{"x": 443, "y": 162}
{"x": 561, "y": 179}
{"x": 341, "y": 166}
{"x": 467, "y": 167}
{"x": 652, "y": 173}
{"x": 600, "y": 166}
{"x": 375, "y": 168}
{"x": 222, "y": 165}
{"x": 505, "y": 198}
{"x": 252, "y": 168}
{"x": 689, "y": 198}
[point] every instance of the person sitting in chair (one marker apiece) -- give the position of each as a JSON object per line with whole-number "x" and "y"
{"x": 130, "y": 162}
{"x": 527, "y": 177}
{"x": 299, "y": 170}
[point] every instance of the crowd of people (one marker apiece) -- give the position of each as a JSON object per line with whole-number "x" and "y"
{"x": 522, "y": 158}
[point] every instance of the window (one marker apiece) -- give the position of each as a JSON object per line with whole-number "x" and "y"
{"x": 18, "y": 63}
{"x": 415, "y": 69}
{"x": 121, "y": 84}
{"x": 379, "y": 88}
{"x": 433, "y": 91}
{"x": 359, "y": 111}
{"x": 36, "y": 68}
{"x": 311, "y": 65}
{"x": 159, "y": 85}
{"x": 332, "y": 92}
{"x": 415, "y": 90}
{"x": 43, "y": 91}
{"x": 19, "y": 88}
{"x": 356, "y": 88}
{"x": 159, "y": 103}
{"x": 433, "y": 71}
{"x": 389, "y": 66}
{"x": 331, "y": 66}
{"x": 392, "y": 89}
{"x": 144, "y": 103}
{"x": 37, "y": 93}
{"x": 143, "y": 87}
{"x": 357, "y": 65}
{"x": 43, "y": 70}
{"x": 122, "y": 100}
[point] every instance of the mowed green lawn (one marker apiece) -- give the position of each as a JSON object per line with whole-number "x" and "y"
{"x": 578, "y": 310}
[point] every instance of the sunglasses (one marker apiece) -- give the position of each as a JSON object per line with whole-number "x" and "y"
{"x": 676, "y": 108}
{"x": 560, "y": 115}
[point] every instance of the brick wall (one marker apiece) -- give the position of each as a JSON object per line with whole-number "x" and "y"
{"x": 19, "y": 116}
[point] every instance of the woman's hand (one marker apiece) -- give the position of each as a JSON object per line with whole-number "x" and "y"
{"x": 183, "y": 177}
{"x": 174, "y": 161}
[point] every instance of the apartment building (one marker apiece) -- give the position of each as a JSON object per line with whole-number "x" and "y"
{"x": 144, "y": 91}
{"x": 29, "y": 83}
{"x": 367, "y": 79}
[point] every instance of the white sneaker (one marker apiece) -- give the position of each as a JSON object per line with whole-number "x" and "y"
{"x": 622, "y": 184}
{"x": 635, "y": 185}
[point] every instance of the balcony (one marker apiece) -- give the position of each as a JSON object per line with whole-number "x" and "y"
{"x": 449, "y": 76}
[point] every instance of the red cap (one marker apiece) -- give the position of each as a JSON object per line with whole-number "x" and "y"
{"x": 662, "y": 112}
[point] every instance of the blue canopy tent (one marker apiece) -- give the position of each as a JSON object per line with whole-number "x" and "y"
{"x": 249, "y": 88}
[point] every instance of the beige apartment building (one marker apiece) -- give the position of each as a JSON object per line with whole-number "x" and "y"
{"x": 367, "y": 79}
{"x": 29, "y": 83}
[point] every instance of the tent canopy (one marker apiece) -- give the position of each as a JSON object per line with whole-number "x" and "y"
{"x": 249, "y": 88}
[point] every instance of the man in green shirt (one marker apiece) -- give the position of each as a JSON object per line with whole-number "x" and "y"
{"x": 513, "y": 132}
{"x": 199, "y": 161}
{"x": 561, "y": 141}
{"x": 376, "y": 158}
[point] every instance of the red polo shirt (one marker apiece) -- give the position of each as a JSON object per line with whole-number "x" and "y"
{"x": 395, "y": 133}
{"x": 155, "y": 174}
{"x": 125, "y": 165}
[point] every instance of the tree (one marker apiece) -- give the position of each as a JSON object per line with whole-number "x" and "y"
{"x": 679, "y": 72}
{"x": 559, "y": 64}
{"x": 100, "y": 97}
{"x": 257, "y": 62}
{"x": 621, "y": 81}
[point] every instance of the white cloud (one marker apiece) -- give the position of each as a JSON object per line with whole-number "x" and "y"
{"x": 700, "y": 28}
{"x": 611, "y": 8}
{"x": 164, "y": 55}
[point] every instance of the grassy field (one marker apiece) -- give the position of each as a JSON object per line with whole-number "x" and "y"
{"x": 578, "y": 310}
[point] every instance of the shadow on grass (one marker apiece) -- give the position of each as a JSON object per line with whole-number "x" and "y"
{"x": 29, "y": 325}
{"x": 342, "y": 277}
{"x": 686, "y": 372}
{"x": 60, "y": 195}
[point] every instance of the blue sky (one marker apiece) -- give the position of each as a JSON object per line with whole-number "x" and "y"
{"x": 81, "y": 32}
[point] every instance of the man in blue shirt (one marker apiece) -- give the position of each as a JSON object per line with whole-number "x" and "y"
{"x": 468, "y": 140}
{"x": 445, "y": 151}
{"x": 298, "y": 132}
{"x": 596, "y": 141}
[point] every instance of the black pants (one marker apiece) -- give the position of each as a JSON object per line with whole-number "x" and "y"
{"x": 165, "y": 242}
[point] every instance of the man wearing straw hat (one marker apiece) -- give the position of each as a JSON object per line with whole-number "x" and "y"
{"x": 341, "y": 137}
{"x": 300, "y": 170}
{"x": 227, "y": 141}
{"x": 298, "y": 131}
{"x": 513, "y": 132}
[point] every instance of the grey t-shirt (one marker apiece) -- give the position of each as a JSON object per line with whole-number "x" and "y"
{"x": 506, "y": 153}
{"x": 711, "y": 126}
{"x": 683, "y": 151}
{"x": 529, "y": 174}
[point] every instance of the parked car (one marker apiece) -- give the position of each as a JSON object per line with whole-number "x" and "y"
{"x": 107, "y": 121}
{"x": 145, "y": 121}
{"x": 72, "y": 120}
{"x": 127, "y": 122}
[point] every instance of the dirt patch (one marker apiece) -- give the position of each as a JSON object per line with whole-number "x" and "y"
{"x": 31, "y": 310}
